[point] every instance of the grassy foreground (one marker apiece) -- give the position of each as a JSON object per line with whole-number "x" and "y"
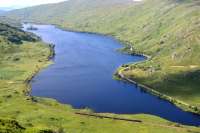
{"x": 20, "y": 59}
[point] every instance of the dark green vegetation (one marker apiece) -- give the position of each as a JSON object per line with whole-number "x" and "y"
{"x": 15, "y": 35}
{"x": 166, "y": 30}
{"x": 10, "y": 126}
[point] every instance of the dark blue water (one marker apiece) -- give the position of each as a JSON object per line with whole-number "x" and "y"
{"x": 82, "y": 77}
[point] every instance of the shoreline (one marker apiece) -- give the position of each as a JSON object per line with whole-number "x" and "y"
{"x": 27, "y": 81}
{"x": 180, "y": 104}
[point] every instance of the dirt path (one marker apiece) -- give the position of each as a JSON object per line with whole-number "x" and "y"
{"x": 190, "y": 66}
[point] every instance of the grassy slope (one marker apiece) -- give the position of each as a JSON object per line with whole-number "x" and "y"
{"x": 167, "y": 30}
{"x": 12, "y": 22}
{"x": 18, "y": 62}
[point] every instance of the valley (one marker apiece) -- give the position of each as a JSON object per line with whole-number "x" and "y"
{"x": 167, "y": 31}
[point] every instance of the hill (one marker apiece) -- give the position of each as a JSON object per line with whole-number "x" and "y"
{"x": 10, "y": 21}
{"x": 56, "y": 13}
{"x": 18, "y": 50}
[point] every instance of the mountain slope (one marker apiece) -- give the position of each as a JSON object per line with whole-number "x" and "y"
{"x": 9, "y": 21}
{"x": 62, "y": 11}
{"x": 19, "y": 55}
{"x": 166, "y": 30}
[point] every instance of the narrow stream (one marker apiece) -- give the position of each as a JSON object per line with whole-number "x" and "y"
{"x": 82, "y": 77}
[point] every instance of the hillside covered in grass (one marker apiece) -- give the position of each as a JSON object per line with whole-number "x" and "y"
{"x": 166, "y": 30}
{"x": 18, "y": 50}
{"x": 9, "y": 21}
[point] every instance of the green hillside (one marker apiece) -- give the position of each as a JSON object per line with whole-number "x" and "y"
{"x": 58, "y": 13}
{"x": 166, "y": 30}
{"x": 10, "y": 21}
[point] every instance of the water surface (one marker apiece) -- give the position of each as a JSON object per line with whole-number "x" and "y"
{"x": 82, "y": 77}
